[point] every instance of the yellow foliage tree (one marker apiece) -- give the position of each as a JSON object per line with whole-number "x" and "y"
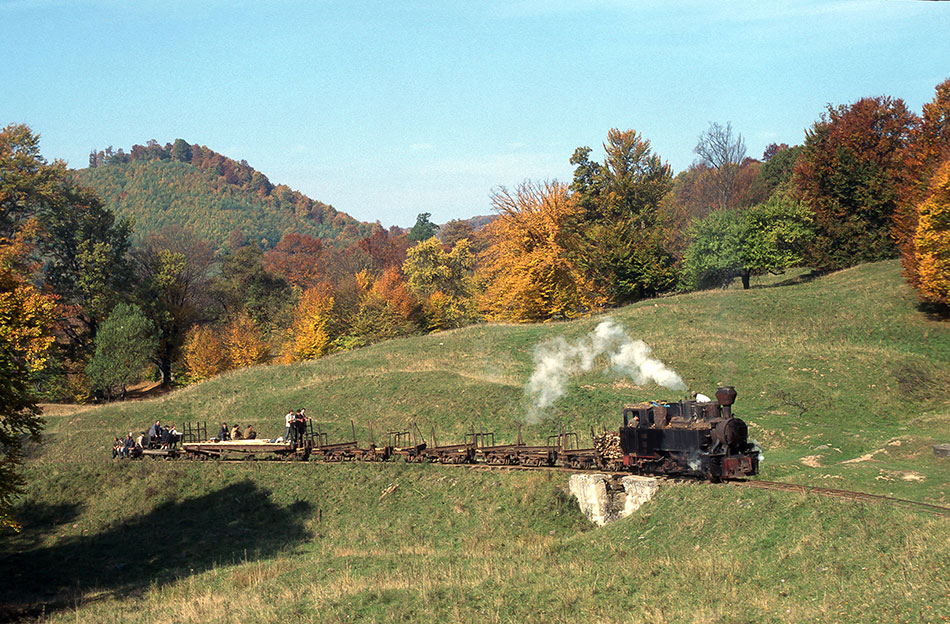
{"x": 932, "y": 240}
{"x": 242, "y": 339}
{"x": 312, "y": 331}
{"x": 528, "y": 268}
{"x": 443, "y": 281}
{"x": 204, "y": 353}
{"x": 27, "y": 317}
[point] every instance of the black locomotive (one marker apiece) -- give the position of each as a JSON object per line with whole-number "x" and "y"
{"x": 691, "y": 438}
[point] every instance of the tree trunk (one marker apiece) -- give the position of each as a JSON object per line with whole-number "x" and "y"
{"x": 166, "y": 367}
{"x": 745, "y": 278}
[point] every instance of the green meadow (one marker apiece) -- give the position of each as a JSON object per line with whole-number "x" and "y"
{"x": 843, "y": 381}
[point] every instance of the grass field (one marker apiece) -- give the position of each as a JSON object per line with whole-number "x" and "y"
{"x": 844, "y": 383}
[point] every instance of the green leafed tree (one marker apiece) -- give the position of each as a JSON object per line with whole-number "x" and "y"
{"x": 173, "y": 268}
{"x": 83, "y": 248}
{"x": 766, "y": 238}
{"x": 423, "y": 229}
{"x": 623, "y": 248}
{"x": 125, "y": 345}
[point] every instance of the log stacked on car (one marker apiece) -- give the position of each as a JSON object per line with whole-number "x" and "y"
{"x": 607, "y": 445}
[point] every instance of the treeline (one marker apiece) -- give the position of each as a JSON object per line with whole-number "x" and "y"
{"x": 868, "y": 183}
{"x": 223, "y": 200}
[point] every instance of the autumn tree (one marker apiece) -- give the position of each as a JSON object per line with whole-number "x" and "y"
{"x": 125, "y": 344}
{"x": 387, "y": 309}
{"x": 928, "y": 149}
{"x": 298, "y": 259}
{"x": 203, "y": 353}
{"x": 932, "y": 240}
{"x": 622, "y": 249}
{"x": 243, "y": 342}
{"x": 443, "y": 281}
{"x": 528, "y": 268}
{"x": 26, "y": 333}
{"x": 849, "y": 173}
{"x": 454, "y": 231}
{"x": 315, "y": 327}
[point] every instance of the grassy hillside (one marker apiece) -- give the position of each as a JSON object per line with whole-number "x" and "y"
{"x": 160, "y": 193}
{"x": 843, "y": 382}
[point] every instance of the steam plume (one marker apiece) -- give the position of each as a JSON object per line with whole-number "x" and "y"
{"x": 557, "y": 360}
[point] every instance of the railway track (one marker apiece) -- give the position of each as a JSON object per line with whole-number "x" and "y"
{"x": 836, "y": 493}
{"x": 757, "y": 484}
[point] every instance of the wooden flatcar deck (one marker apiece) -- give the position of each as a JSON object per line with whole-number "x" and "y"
{"x": 244, "y": 447}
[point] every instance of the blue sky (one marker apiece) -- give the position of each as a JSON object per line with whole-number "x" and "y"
{"x": 389, "y": 109}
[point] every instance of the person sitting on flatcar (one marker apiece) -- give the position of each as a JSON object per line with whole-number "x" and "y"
{"x": 224, "y": 434}
{"x": 236, "y": 432}
{"x": 170, "y": 437}
{"x": 249, "y": 433}
{"x": 128, "y": 445}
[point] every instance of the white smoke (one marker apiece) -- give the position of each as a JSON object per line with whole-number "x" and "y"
{"x": 557, "y": 360}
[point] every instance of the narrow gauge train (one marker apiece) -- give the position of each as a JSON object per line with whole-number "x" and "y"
{"x": 684, "y": 438}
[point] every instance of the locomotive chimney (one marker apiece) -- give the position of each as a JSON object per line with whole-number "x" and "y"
{"x": 726, "y": 395}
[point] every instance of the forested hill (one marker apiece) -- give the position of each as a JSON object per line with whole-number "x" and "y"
{"x": 224, "y": 201}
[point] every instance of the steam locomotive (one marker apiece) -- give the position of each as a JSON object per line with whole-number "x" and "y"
{"x": 685, "y": 438}
{"x": 701, "y": 439}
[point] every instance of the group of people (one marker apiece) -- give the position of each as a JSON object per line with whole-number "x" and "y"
{"x": 157, "y": 437}
{"x": 234, "y": 433}
{"x": 295, "y": 425}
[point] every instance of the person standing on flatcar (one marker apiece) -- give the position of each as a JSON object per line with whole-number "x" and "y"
{"x": 301, "y": 422}
{"x": 154, "y": 434}
{"x": 290, "y": 428}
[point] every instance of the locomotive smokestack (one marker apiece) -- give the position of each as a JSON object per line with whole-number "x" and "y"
{"x": 726, "y": 395}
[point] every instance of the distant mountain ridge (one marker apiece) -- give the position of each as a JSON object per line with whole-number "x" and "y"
{"x": 224, "y": 201}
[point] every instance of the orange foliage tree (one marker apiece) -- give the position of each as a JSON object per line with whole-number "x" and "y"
{"x": 929, "y": 147}
{"x": 851, "y": 175}
{"x": 204, "y": 354}
{"x": 528, "y": 267}
{"x": 387, "y": 309}
{"x": 298, "y": 259}
{"x": 932, "y": 240}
